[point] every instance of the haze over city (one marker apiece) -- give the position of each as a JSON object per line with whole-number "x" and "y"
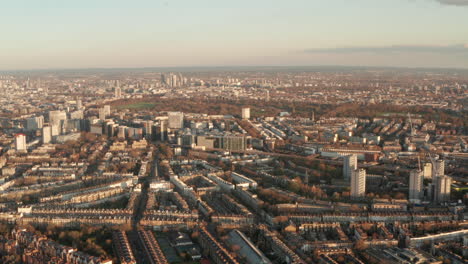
{"x": 55, "y": 34}
{"x": 234, "y": 132}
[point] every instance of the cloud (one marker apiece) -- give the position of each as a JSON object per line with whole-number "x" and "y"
{"x": 454, "y": 2}
{"x": 450, "y": 49}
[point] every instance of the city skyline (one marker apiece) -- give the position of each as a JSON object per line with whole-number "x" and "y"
{"x": 220, "y": 166}
{"x": 56, "y": 35}
{"x": 234, "y": 132}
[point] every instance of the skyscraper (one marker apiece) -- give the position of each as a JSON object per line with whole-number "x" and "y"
{"x": 20, "y": 142}
{"x": 148, "y": 125}
{"x": 245, "y": 113}
{"x": 349, "y": 165}
{"x": 46, "y": 134}
{"x": 442, "y": 189}
{"x": 117, "y": 92}
{"x": 175, "y": 82}
{"x": 176, "y": 120}
{"x": 34, "y": 123}
{"x": 358, "y": 183}
{"x": 163, "y": 79}
{"x": 415, "y": 185}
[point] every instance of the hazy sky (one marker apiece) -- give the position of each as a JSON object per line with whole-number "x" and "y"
{"x": 38, "y": 34}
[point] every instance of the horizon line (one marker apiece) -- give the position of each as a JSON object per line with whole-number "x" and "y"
{"x": 230, "y": 66}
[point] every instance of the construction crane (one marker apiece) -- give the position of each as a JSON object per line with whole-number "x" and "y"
{"x": 411, "y": 124}
{"x": 434, "y": 166}
{"x": 419, "y": 163}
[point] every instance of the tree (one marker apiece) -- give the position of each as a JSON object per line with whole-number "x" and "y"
{"x": 400, "y": 195}
{"x": 360, "y": 245}
{"x": 355, "y": 208}
{"x": 280, "y": 219}
{"x": 195, "y": 235}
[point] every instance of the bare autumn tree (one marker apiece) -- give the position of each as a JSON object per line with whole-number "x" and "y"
{"x": 360, "y": 245}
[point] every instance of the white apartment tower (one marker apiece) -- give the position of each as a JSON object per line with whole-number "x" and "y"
{"x": 358, "y": 183}
{"x": 416, "y": 185}
{"x": 20, "y": 142}
{"x": 442, "y": 189}
{"x": 349, "y": 165}
{"x": 34, "y": 123}
{"x": 176, "y": 120}
{"x": 56, "y": 120}
{"x": 245, "y": 113}
{"x": 46, "y": 134}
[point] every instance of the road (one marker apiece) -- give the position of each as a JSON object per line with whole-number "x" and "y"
{"x": 133, "y": 237}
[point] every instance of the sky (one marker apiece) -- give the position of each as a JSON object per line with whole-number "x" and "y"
{"x": 55, "y": 34}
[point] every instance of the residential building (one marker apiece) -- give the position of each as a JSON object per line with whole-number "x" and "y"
{"x": 349, "y": 165}
{"x": 358, "y": 183}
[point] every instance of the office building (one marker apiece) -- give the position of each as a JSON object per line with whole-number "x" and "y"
{"x": 40, "y": 122}
{"x": 415, "y": 185}
{"x": 442, "y": 189}
{"x": 246, "y": 113}
{"x": 175, "y": 82}
{"x": 358, "y": 183}
{"x": 57, "y": 119}
{"x": 176, "y": 120}
{"x": 172, "y": 80}
{"x": 163, "y": 79}
{"x": 148, "y": 129}
{"x": 122, "y": 132}
{"x": 232, "y": 143}
{"x": 135, "y": 132}
{"x": 46, "y": 134}
{"x": 77, "y": 115}
{"x": 34, "y": 123}
{"x": 96, "y": 128}
{"x": 20, "y": 142}
{"x": 349, "y": 165}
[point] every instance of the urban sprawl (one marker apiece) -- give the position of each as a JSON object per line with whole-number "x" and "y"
{"x": 272, "y": 165}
